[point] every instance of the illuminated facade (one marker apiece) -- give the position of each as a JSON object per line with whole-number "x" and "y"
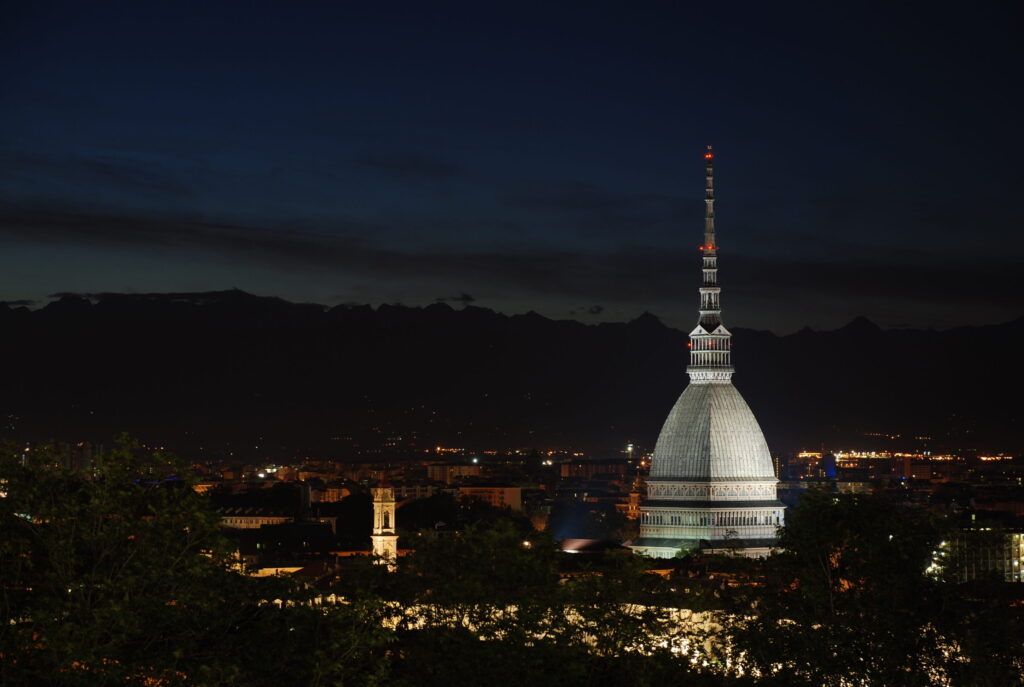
{"x": 498, "y": 496}
{"x": 712, "y": 482}
{"x": 989, "y": 552}
{"x": 384, "y": 538}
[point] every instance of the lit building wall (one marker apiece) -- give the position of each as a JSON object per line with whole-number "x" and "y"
{"x": 447, "y": 473}
{"x": 497, "y": 496}
{"x": 253, "y": 521}
{"x": 982, "y": 552}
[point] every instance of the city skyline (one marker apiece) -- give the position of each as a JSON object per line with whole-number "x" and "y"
{"x": 515, "y": 160}
{"x": 381, "y": 344}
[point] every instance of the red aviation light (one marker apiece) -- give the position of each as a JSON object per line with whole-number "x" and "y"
{"x": 709, "y": 156}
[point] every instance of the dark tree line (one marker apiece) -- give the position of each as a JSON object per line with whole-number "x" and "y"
{"x": 867, "y": 590}
{"x": 121, "y": 575}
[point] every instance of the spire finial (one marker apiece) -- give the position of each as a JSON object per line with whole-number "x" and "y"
{"x": 709, "y": 201}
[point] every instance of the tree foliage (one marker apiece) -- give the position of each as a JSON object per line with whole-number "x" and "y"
{"x": 120, "y": 574}
{"x": 489, "y": 598}
{"x": 848, "y": 601}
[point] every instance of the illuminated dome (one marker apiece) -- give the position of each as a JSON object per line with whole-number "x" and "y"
{"x": 711, "y": 434}
{"x": 712, "y": 485}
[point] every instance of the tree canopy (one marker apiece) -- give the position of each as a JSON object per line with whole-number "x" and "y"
{"x": 120, "y": 574}
{"x": 851, "y": 599}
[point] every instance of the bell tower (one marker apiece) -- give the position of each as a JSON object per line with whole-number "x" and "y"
{"x": 385, "y": 541}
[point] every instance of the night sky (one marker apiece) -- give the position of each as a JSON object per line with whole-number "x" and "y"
{"x": 520, "y": 156}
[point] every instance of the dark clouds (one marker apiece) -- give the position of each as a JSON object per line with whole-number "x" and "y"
{"x": 631, "y": 279}
{"x": 545, "y": 160}
{"x": 410, "y": 166}
{"x": 49, "y": 175}
{"x": 463, "y": 298}
{"x": 591, "y": 211}
{"x": 583, "y": 198}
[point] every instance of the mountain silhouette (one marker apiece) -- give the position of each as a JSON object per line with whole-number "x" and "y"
{"x": 227, "y": 373}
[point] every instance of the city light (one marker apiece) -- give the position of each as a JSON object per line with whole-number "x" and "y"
{"x": 851, "y": 514}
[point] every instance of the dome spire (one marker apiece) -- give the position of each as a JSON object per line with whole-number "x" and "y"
{"x": 710, "y": 342}
{"x": 709, "y": 200}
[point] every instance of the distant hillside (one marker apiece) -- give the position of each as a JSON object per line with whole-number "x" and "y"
{"x": 220, "y": 370}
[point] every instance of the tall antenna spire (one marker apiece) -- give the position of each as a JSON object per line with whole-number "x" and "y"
{"x": 710, "y": 343}
{"x": 709, "y": 200}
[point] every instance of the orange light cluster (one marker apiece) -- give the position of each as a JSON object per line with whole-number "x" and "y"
{"x": 708, "y": 156}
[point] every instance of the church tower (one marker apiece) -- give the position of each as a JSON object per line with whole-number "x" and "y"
{"x": 385, "y": 541}
{"x": 712, "y": 482}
